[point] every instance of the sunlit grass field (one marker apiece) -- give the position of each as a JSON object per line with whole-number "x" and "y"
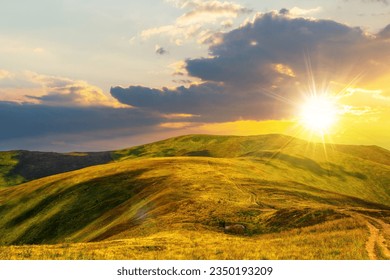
{"x": 342, "y": 239}
{"x": 176, "y": 199}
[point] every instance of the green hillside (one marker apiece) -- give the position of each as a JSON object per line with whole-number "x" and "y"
{"x": 8, "y": 161}
{"x": 21, "y": 166}
{"x": 220, "y": 194}
{"x": 250, "y": 146}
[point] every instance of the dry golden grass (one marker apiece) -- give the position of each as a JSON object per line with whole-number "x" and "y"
{"x": 292, "y": 205}
{"x": 336, "y": 240}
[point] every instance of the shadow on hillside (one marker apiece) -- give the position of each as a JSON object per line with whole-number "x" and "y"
{"x": 34, "y": 165}
{"x": 69, "y": 210}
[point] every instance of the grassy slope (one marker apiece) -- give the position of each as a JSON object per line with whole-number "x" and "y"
{"x": 21, "y": 166}
{"x": 364, "y": 166}
{"x": 146, "y": 202}
{"x": 8, "y": 161}
{"x": 339, "y": 239}
{"x": 243, "y": 146}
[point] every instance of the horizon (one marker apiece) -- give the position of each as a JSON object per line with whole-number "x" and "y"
{"x": 94, "y": 76}
{"x": 196, "y": 134}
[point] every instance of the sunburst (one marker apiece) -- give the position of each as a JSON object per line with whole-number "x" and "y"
{"x": 318, "y": 113}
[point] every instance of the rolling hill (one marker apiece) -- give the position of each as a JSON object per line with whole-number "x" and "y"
{"x": 203, "y": 197}
{"x": 21, "y": 166}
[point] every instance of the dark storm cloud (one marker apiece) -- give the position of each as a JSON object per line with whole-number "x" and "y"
{"x": 385, "y": 32}
{"x": 257, "y": 69}
{"x": 55, "y": 98}
{"x": 172, "y": 100}
{"x": 211, "y": 102}
{"x": 250, "y": 53}
{"x": 27, "y": 122}
{"x": 247, "y": 55}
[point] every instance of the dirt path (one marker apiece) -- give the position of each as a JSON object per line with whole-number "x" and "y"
{"x": 377, "y": 245}
{"x": 226, "y": 178}
{"x": 372, "y": 241}
{"x": 379, "y": 236}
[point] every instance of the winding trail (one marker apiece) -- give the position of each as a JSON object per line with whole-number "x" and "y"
{"x": 226, "y": 178}
{"x": 377, "y": 244}
{"x": 379, "y": 235}
{"x": 372, "y": 241}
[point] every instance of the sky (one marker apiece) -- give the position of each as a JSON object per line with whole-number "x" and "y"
{"x": 109, "y": 74}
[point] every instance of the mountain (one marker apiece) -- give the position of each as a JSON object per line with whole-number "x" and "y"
{"x": 21, "y": 166}
{"x": 203, "y": 196}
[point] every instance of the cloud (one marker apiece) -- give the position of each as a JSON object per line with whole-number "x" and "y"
{"x": 160, "y": 50}
{"x": 192, "y": 100}
{"x": 296, "y": 11}
{"x": 385, "y": 32}
{"x": 201, "y": 21}
{"x": 209, "y": 102}
{"x": 4, "y": 74}
{"x": 386, "y": 2}
{"x": 45, "y": 127}
{"x": 333, "y": 49}
{"x": 179, "y": 68}
{"x": 260, "y": 70}
{"x": 210, "y": 11}
{"x": 372, "y": 97}
{"x": 227, "y": 23}
{"x": 177, "y": 125}
{"x": 357, "y": 111}
{"x": 52, "y": 91}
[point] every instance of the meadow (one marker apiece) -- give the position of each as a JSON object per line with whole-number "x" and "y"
{"x": 175, "y": 199}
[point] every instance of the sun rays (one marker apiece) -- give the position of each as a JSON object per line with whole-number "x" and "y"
{"x": 318, "y": 114}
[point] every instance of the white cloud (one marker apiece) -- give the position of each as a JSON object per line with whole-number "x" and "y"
{"x": 60, "y": 91}
{"x": 210, "y": 11}
{"x": 357, "y": 111}
{"x": 177, "y": 33}
{"x": 4, "y": 74}
{"x": 200, "y": 18}
{"x": 375, "y": 93}
{"x": 35, "y": 88}
{"x": 168, "y": 29}
{"x": 296, "y": 11}
{"x": 227, "y": 23}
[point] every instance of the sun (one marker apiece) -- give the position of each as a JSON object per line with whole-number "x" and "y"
{"x": 318, "y": 113}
